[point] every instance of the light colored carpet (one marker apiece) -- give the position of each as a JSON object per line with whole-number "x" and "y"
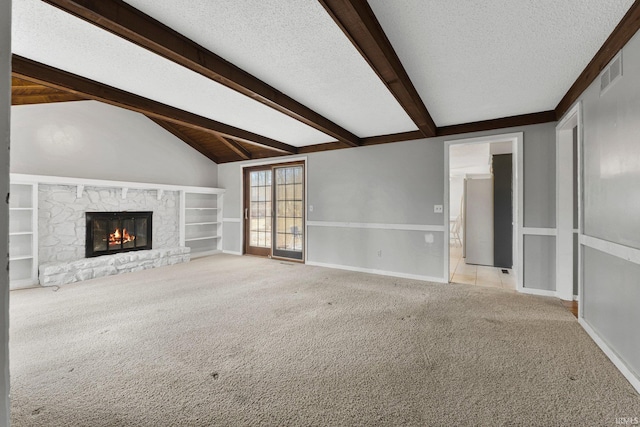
{"x": 233, "y": 341}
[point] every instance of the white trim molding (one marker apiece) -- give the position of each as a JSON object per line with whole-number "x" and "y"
{"x": 376, "y": 226}
{"x": 539, "y": 292}
{"x": 534, "y": 231}
{"x": 378, "y": 272}
{"x": 232, "y": 253}
{"x": 617, "y": 250}
{"x": 608, "y": 351}
{"x": 85, "y": 182}
{"x": 564, "y": 201}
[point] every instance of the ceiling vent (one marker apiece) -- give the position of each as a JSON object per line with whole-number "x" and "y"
{"x": 611, "y": 73}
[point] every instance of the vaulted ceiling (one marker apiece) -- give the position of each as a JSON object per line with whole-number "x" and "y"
{"x": 243, "y": 79}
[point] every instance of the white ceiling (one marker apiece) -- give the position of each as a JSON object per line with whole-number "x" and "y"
{"x": 473, "y": 60}
{"x": 470, "y": 60}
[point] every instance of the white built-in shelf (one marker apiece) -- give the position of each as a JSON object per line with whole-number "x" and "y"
{"x": 20, "y": 258}
{"x": 195, "y": 239}
{"x": 23, "y": 234}
{"x": 201, "y": 221}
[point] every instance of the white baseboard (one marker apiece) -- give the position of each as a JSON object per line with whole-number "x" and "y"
{"x": 539, "y": 292}
{"x": 622, "y": 367}
{"x": 204, "y": 254}
{"x": 379, "y": 272}
{"x": 232, "y": 253}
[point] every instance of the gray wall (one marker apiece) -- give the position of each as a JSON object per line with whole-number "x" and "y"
{"x": 5, "y": 102}
{"x": 89, "y": 139}
{"x": 540, "y": 208}
{"x": 611, "y": 296}
{"x": 393, "y": 184}
{"x": 612, "y": 207}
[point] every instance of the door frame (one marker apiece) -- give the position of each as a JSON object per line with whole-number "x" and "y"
{"x": 564, "y": 204}
{"x": 276, "y": 162}
{"x": 517, "y": 141}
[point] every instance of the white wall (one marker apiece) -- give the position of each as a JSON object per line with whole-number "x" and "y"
{"x": 393, "y": 186}
{"x": 89, "y": 139}
{"x": 5, "y": 102}
{"x": 611, "y": 242}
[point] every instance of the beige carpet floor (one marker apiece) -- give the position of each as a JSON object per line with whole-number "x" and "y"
{"x": 236, "y": 341}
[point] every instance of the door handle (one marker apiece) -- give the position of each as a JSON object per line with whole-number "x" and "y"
{"x": 246, "y": 213}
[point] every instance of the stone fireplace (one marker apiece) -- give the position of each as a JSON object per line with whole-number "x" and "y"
{"x": 104, "y": 231}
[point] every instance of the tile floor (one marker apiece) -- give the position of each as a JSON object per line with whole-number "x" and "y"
{"x": 478, "y": 275}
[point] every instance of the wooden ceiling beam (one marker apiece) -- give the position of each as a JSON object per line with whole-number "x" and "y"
{"x": 131, "y": 24}
{"x": 169, "y": 127}
{"x": 628, "y": 26}
{"x": 501, "y": 123}
{"x": 36, "y": 72}
{"x": 235, "y": 147}
{"x": 359, "y": 23}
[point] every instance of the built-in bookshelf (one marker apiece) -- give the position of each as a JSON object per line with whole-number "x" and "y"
{"x": 23, "y": 235}
{"x": 201, "y": 221}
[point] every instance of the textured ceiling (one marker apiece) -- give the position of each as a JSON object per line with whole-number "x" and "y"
{"x": 484, "y": 59}
{"x": 469, "y": 60}
{"x": 48, "y": 35}
{"x": 294, "y": 46}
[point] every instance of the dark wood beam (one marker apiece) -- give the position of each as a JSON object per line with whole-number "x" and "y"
{"x": 316, "y": 148}
{"x": 505, "y": 122}
{"x": 127, "y": 22}
{"x": 235, "y": 147}
{"x": 189, "y": 141}
{"x": 628, "y": 26}
{"x": 358, "y": 22}
{"x": 394, "y": 137}
{"x": 36, "y": 72}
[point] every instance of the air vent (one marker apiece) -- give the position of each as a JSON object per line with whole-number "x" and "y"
{"x": 611, "y": 73}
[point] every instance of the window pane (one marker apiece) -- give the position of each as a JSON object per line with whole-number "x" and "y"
{"x": 298, "y": 192}
{"x": 254, "y": 179}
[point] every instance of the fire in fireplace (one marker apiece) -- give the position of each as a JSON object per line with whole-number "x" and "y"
{"x": 113, "y": 232}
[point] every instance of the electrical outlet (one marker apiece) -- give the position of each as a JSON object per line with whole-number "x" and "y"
{"x": 437, "y": 208}
{"x": 380, "y": 253}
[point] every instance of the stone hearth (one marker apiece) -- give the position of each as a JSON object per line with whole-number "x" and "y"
{"x": 52, "y": 274}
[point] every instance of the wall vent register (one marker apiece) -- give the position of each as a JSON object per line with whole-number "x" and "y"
{"x": 611, "y": 73}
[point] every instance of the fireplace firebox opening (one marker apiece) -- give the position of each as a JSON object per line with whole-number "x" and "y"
{"x": 113, "y": 232}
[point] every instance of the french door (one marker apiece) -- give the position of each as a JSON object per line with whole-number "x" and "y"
{"x": 274, "y": 211}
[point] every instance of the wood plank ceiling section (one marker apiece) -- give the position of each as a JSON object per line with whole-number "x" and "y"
{"x": 24, "y": 92}
{"x": 35, "y": 82}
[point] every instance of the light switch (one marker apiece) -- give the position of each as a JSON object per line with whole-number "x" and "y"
{"x": 437, "y": 208}
{"x": 310, "y": 208}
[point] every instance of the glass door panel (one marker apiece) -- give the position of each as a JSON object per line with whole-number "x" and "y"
{"x": 257, "y": 213}
{"x": 289, "y": 199}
